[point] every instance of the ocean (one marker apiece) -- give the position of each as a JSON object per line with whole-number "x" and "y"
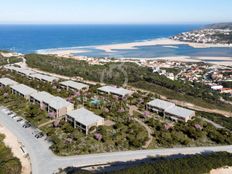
{"x": 33, "y": 38}
{"x": 30, "y": 38}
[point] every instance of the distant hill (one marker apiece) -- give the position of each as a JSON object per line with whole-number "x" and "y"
{"x": 223, "y": 26}
{"x": 220, "y": 33}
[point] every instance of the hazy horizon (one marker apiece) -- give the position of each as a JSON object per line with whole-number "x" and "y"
{"x": 121, "y": 12}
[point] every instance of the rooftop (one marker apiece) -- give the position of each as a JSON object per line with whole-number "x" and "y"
{"x": 74, "y": 85}
{"x": 58, "y": 103}
{"x": 44, "y": 77}
{"x": 42, "y": 96}
{"x": 180, "y": 112}
{"x": 23, "y": 89}
{"x": 7, "y": 81}
{"x": 161, "y": 104}
{"x": 115, "y": 90}
{"x": 85, "y": 117}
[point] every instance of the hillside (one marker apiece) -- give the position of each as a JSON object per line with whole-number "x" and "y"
{"x": 213, "y": 34}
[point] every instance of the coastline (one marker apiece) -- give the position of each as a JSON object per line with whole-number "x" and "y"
{"x": 70, "y": 52}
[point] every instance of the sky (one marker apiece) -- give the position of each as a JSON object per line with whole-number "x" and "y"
{"x": 115, "y": 11}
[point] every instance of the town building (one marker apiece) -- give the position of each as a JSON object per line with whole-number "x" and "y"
{"x": 75, "y": 86}
{"x": 84, "y": 119}
{"x": 7, "y": 82}
{"x": 120, "y": 92}
{"x": 23, "y": 90}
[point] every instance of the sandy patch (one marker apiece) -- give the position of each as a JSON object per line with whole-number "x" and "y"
{"x": 62, "y": 53}
{"x": 12, "y": 142}
{"x": 165, "y": 42}
{"x": 225, "y": 170}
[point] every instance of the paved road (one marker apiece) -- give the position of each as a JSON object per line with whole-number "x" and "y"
{"x": 44, "y": 161}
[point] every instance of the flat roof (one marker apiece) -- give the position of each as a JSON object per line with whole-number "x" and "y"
{"x": 161, "y": 104}
{"x": 115, "y": 90}
{"x": 24, "y": 89}
{"x": 25, "y": 71}
{"x": 44, "y": 77}
{"x": 42, "y": 96}
{"x": 8, "y": 82}
{"x": 74, "y": 85}
{"x": 58, "y": 103}
{"x": 180, "y": 112}
{"x": 85, "y": 117}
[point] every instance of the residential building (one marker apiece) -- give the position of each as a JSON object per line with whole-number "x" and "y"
{"x": 41, "y": 98}
{"x": 84, "y": 119}
{"x": 23, "y": 90}
{"x": 169, "y": 109}
{"x": 159, "y": 106}
{"x": 7, "y": 82}
{"x": 75, "y": 86}
{"x": 120, "y": 92}
{"x": 179, "y": 113}
{"x": 58, "y": 106}
{"x": 43, "y": 78}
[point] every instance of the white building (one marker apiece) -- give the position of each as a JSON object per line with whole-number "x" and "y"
{"x": 75, "y": 86}
{"x": 158, "y": 105}
{"x": 84, "y": 119}
{"x": 179, "y": 113}
{"x": 23, "y": 90}
{"x": 170, "y": 110}
{"x": 121, "y": 92}
{"x": 43, "y": 78}
{"x": 59, "y": 106}
{"x": 7, "y": 82}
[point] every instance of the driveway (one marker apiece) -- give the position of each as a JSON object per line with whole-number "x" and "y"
{"x": 44, "y": 161}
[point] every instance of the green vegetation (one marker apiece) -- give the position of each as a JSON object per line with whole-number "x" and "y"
{"x": 23, "y": 108}
{"x": 219, "y": 119}
{"x": 196, "y": 132}
{"x": 10, "y": 60}
{"x": 40, "y": 86}
{"x": 4, "y": 51}
{"x": 200, "y": 164}
{"x": 189, "y": 164}
{"x": 8, "y": 163}
{"x": 140, "y": 77}
{"x": 69, "y": 141}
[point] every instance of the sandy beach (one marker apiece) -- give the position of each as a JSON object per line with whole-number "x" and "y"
{"x": 225, "y": 170}
{"x": 62, "y": 52}
{"x": 69, "y": 53}
{"x": 12, "y": 142}
{"x": 165, "y": 42}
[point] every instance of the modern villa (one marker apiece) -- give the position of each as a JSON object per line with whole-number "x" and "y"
{"x": 74, "y": 86}
{"x": 32, "y": 74}
{"x": 23, "y": 90}
{"x": 158, "y": 105}
{"x": 7, "y": 82}
{"x": 84, "y": 119}
{"x": 59, "y": 106}
{"x": 43, "y": 78}
{"x": 41, "y": 98}
{"x": 179, "y": 113}
{"x": 170, "y": 110}
{"x": 120, "y": 92}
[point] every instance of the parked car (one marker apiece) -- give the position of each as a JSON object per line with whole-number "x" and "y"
{"x": 12, "y": 115}
{"x": 39, "y": 135}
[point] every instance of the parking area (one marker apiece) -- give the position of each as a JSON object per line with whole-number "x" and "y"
{"x": 24, "y": 123}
